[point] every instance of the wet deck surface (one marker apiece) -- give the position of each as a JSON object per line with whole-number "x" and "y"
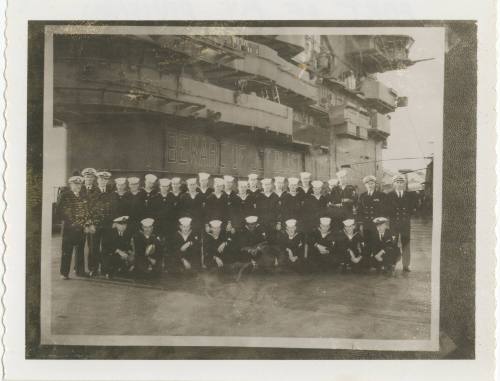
{"x": 285, "y": 305}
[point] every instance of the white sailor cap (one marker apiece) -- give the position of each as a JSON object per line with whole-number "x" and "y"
{"x": 120, "y": 180}
{"x": 279, "y": 179}
{"x": 176, "y": 180}
{"x": 185, "y": 221}
{"x": 242, "y": 183}
{"x": 133, "y": 180}
{"x": 251, "y": 219}
{"x": 293, "y": 180}
{"x": 380, "y": 220}
{"x": 348, "y": 222}
{"x": 333, "y": 182}
{"x": 121, "y": 220}
{"x": 218, "y": 181}
{"x": 147, "y": 222}
{"x": 341, "y": 173}
{"x": 164, "y": 182}
{"x": 305, "y": 175}
{"x": 228, "y": 178}
{"x": 369, "y": 178}
{"x": 104, "y": 174}
{"x": 399, "y": 178}
{"x": 317, "y": 184}
{"x": 89, "y": 172}
{"x": 215, "y": 223}
{"x": 291, "y": 223}
{"x": 75, "y": 179}
{"x": 150, "y": 178}
{"x": 325, "y": 221}
{"x": 203, "y": 176}
{"x": 266, "y": 181}
{"x": 253, "y": 176}
{"x": 191, "y": 181}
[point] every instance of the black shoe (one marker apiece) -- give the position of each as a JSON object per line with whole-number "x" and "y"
{"x": 406, "y": 269}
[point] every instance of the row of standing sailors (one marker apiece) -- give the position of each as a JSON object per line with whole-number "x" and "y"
{"x": 94, "y": 206}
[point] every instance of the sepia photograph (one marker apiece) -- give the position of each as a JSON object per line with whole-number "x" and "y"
{"x": 242, "y": 186}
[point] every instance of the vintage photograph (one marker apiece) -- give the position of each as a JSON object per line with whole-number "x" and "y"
{"x": 242, "y": 186}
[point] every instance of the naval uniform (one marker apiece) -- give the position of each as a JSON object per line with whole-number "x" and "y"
{"x": 192, "y": 253}
{"x": 370, "y": 206}
{"x": 387, "y": 242}
{"x": 399, "y": 210}
{"x": 216, "y": 207}
{"x": 191, "y": 205}
{"x": 136, "y": 202}
{"x": 241, "y": 208}
{"x": 74, "y": 214}
{"x": 146, "y": 262}
{"x": 356, "y": 244}
{"x": 204, "y": 193}
{"x": 211, "y": 245}
{"x": 147, "y": 204}
{"x": 296, "y": 243}
{"x": 113, "y": 241}
{"x": 313, "y": 208}
{"x": 322, "y": 262}
{"x": 246, "y": 239}
{"x": 266, "y": 207}
{"x": 100, "y": 216}
{"x": 291, "y": 207}
{"x": 120, "y": 204}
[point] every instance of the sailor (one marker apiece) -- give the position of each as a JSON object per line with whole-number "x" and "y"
{"x": 321, "y": 246}
{"x": 120, "y": 199}
{"x": 204, "y": 190}
{"x": 191, "y": 204}
{"x": 253, "y": 184}
{"x": 89, "y": 187}
{"x": 229, "y": 191}
{"x": 334, "y": 204}
{"x": 243, "y": 205}
{"x": 383, "y": 247}
{"x": 163, "y": 209}
{"x": 279, "y": 190}
{"x": 249, "y": 240}
{"x": 305, "y": 184}
{"x": 117, "y": 248}
{"x": 314, "y": 206}
{"x": 346, "y": 193}
{"x": 370, "y": 205}
{"x": 291, "y": 205}
{"x": 266, "y": 206}
{"x": 351, "y": 248}
{"x": 74, "y": 214}
{"x": 186, "y": 246}
{"x": 135, "y": 203}
{"x": 216, "y": 246}
{"x": 400, "y": 205}
{"x": 147, "y": 249}
{"x": 174, "y": 198}
{"x": 148, "y": 193}
{"x": 216, "y": 205}
{"x": 293, "y": 245}
{"x": 100, "y": 215}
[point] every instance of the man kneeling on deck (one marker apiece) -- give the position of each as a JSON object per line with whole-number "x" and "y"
{"x": 351, "y": 248}
{"x": 293, "y": 246}
{"x": 383, "y": 247}
{"x": 147, "y": 249}
{"x": 117, "y": 248}
{"x": 186, "y": 246}
{"x": 322, "y": 254}
{"x": 216, "y": 246}
{"x": 252, "y": 248}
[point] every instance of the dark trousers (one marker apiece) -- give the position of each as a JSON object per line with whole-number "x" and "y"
{"x": 403, "y": 236}
{"x": 72, "y": 239}
{"x": 95, "y": 254}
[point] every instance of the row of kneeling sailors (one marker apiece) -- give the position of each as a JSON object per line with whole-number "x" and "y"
{"x": 127, "y": 252}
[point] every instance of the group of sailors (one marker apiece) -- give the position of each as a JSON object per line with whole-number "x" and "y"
{"x": 170, "y": 225}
